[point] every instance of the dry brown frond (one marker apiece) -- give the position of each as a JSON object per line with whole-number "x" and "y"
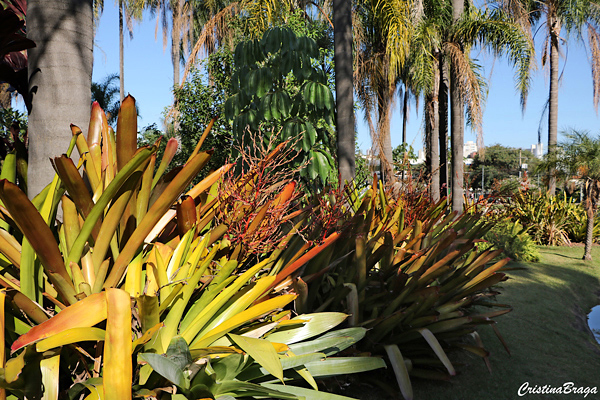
{"x": 468, "y": 86}
{"x": 213, "y": 33}
{"x": 594, "y": 40}
{"x": 520, "y": 14}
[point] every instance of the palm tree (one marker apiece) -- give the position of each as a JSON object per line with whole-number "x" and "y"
{"x": 104, "y": 93}
{"x": 579, "y": 156}
{"x": 60, "y": 69}
{"x": 556, "y": 17}
{"x": 178, "y": 14}
{"x": 382, "y": 33}
{"x": 494, "y": 31}
{"x": 441, "y": 47}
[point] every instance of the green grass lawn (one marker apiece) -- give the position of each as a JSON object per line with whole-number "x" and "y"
{"x": 546, "y": 332}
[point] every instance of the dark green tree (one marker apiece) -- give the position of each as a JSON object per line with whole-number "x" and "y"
{"x": 500, "y": 163}
{"x": 279, "y": 88}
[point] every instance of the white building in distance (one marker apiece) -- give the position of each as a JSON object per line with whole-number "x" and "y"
{"x": 537, "y": 150}
{"x": 470, "y": 148}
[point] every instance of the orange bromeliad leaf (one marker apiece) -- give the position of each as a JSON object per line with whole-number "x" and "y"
{"x": 290, "y": 269}
{"x": 285, "y": 194}
{"x": 186, "y": 214}
{"x": 117, "y": 371}
{"x": 35, "y": 229}
{"x": 85, "y": 313}
{"x": 126, "y": 132}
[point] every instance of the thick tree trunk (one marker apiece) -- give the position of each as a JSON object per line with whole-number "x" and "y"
{"x": 553, "y": 100}
{"x": 121, "y": 55}
{"x": 344, "y": 89}
{"x": 457, "y": 133}
{"x": 457, "y": 142}
{"x": 443, "y": 125}
{"x": 60, "y": 69}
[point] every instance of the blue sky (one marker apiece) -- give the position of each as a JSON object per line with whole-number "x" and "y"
{"x": 149, "y": 78}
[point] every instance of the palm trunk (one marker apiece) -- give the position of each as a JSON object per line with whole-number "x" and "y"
{"x": 60, "y": 80}
{"x": 589, "y": 210}
{"x": 589, "y": 235}
{"x": 175, "y": 41}
{"x": 404, "y": 114}
{"x": 553, "y": 101}
{"x": 443, "y": 125}
{"x": 384, "y": 104}
{"x": 432, "y": 114}
{"x": 457, "y": 142}
{"x": 457, "y": 133}
{"x": 344, "y": 89}
{"x": 121, "y": 55}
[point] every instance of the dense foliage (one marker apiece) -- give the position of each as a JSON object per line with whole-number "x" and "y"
{"x": 280, "y": 93}
{"x": 500, "y": 163}
{"x": 130, "y": 297}
{"x": 199, "y": 100}
{"x": 512, "y": 238}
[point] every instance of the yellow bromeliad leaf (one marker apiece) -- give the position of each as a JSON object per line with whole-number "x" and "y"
{"x": 97, "y": 393}
{"x": 241, "y": 303}
{"x": 49, "y": 367}
{"x": 208, "y": 312}
{"x": 117, "y": 371}
{"x": 250, "y": 314}
{"x": 68, "y": 336}
{"x": 85, "y": 313}
{"x": 262, "y": 351}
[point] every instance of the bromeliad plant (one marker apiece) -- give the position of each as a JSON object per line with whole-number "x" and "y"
{"x": 139, "y": 289}
{"x": 414, "y": 286}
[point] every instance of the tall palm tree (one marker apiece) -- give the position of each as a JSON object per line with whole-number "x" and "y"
{"x": 382, "y": 34}
{"x": 60, "y": 69}
{"x": 441, "y": 47}
{"x": 555, "y": 17}
{"x": 178, "y": 15}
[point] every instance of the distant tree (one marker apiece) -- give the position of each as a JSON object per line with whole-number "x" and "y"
{"x": 579, "y": 157}
{"x": 558, "y": 20}
{"x": 200, "y": 99}
{"x": 500, "y": 163}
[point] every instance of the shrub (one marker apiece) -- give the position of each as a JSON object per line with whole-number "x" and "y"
{"x": 513, "y": 240}
{"x": 412, "y": 285}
